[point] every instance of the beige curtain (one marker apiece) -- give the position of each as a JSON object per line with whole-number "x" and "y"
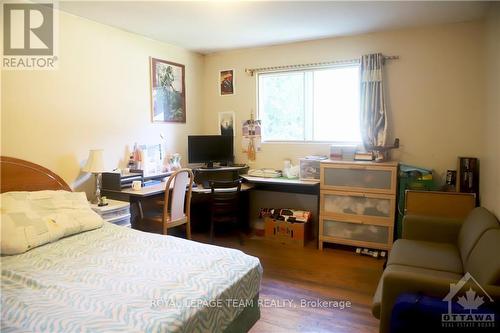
{"x": 373, "y": 109}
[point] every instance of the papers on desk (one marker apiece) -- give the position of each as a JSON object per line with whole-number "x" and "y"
{"x": 152, "y": 182}
{"x": 264, "y": 173}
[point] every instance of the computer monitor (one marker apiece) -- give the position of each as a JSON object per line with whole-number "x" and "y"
{"x": 210, "y": 148}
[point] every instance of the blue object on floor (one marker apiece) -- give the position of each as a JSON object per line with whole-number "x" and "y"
{"x": 414, "y": 313}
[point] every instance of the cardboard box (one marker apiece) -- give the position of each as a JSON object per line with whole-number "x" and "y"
{"x": 288, "y": 233}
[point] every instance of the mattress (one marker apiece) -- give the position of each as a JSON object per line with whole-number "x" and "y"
{"x": 115, "y": 279}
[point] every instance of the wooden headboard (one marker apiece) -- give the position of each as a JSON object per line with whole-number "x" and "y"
{"x": 21, "y": 175}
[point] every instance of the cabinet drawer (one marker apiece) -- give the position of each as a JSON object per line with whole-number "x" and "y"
{"x": 123, "y": 220}
{"x": 363, "y": 207}
{"x": 352, "y": 177}
{"x": 364, "y": 233}
{"x": 110, "y": 214}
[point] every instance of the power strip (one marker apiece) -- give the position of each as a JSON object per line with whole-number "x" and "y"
{"x": 371, "y": 253}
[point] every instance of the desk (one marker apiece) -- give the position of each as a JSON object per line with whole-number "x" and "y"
{"x": 265, "y": 193}
{"x": 203, "y": 176}
{"x": 159, "y": 188}
{"x": 136, "y": 197}
{"x": 280, "y": 181}
{"x": 282, "y": 184}
{"x": 283, "y": 193}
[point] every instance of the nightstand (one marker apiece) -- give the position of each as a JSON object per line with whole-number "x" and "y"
{"x": 116, "y": 212}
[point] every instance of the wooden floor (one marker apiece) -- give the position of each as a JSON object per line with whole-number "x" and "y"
{"x": 293, "y": 275}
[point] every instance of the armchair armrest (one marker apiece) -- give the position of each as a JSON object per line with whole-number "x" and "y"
{"x": 397, "y": 282}
{"x": 431, "y": 229}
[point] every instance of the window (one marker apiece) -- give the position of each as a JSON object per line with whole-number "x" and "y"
{"x": 310, "y": 105}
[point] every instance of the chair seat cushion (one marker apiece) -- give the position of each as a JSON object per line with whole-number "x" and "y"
{"x": 429, "y": 255}
{"x": 377, "y": 298}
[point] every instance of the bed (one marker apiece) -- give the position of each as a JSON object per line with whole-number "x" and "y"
{"x": 114, "y": 279}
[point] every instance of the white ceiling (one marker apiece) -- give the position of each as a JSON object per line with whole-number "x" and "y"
{"x": 211, "y": 26}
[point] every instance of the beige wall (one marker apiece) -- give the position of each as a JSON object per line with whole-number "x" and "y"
{"x": 98, "y": 98}
{"x": 435, "y": 90}
{"x": 490, "y": 164}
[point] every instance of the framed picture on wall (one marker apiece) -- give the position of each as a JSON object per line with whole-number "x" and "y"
{"x": 226, "y": 123}
{"x": 168, "y": 95}
{"x": 226, "y": 82}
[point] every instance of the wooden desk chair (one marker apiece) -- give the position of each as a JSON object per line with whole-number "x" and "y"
{"x": 225, "y": 205}
{"x": 175, "y": 209}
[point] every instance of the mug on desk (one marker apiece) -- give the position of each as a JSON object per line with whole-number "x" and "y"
{"x": 136, "y": 185}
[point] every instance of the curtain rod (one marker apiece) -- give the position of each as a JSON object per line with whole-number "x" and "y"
{"x": 252, "y": 71}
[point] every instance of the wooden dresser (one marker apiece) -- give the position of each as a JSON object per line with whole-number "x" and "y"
{"x": 357, "y": 203}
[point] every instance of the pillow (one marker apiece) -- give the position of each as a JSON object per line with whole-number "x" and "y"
{"x": 31, "y": 219}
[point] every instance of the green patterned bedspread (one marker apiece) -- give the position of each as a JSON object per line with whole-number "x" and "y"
{"x": 114, "y": 279}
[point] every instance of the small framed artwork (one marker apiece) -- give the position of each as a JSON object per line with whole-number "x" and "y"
{"x": 168, "y": 95}
{"x": 226, "y": 82}
{"x": 226, "y": 123}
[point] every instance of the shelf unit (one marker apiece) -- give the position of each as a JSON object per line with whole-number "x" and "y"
{"x": 357, "y": 203}
{"x": 116, "y": 212}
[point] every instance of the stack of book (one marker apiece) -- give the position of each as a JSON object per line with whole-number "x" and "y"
{"x": 363, "y": 156}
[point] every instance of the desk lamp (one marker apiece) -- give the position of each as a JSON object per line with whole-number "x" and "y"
{"x": 95, "y": 166}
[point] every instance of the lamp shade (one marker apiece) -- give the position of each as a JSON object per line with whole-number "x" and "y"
{"x": 94, "y": 163}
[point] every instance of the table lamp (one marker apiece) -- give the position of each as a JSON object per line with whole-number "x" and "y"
{"x": 95, "y": 166}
